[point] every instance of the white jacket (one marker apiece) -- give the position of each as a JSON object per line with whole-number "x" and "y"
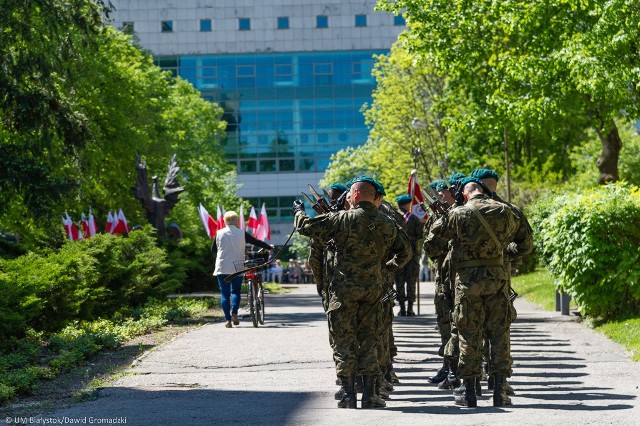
{"x": 230, "y": 243}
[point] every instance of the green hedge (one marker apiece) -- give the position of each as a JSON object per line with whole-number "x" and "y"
{"x": 591, "y": 243}
{"x": 84, "y": 280}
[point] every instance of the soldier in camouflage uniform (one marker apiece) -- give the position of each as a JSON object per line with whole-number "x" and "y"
{"x": 481, "y": 230}
{"x": 364, "y": 239}
{"x": 387, "y": 343}
{"x": 521, "y": 245}
{"x": 443, "y": 300}
{"x": 407, "y": 276}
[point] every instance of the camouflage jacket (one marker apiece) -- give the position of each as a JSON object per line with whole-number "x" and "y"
{"x": 474, "y": 247}
{"x": 522, "y": 243}
{"x": 365, "y": 240}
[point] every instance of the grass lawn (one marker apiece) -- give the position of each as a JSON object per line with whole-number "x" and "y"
{"x": 537, "y": 287}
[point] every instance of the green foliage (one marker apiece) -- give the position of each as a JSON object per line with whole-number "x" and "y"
{"x": 537, "y": 68}
{"x": 300, "y": 246}
{"x": 83, "y": 280}
{"x": 24, "y": 363}
{"x": 590, "y": 242}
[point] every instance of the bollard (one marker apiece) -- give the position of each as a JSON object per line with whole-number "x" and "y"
{"x": 557, "y": 301}
{"x": 564, "y": 302}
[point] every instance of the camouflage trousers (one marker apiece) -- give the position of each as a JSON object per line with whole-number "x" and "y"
{"x": 405, "y": 280}
{"x": 480, "y": 307}
{"x": 385, "y": 333}
{"x": 443, "y": 317}
{"x": 354, "y": 322}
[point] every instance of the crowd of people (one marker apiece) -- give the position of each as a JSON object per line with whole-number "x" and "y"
{"x": 365, "y": 252}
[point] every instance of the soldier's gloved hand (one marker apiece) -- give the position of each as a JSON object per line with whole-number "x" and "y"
{"x": 512, "y": 249}
{"x": 298, "y": 206}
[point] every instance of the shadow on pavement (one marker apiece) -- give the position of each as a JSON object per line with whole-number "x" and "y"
{"x": 165, "y": 406}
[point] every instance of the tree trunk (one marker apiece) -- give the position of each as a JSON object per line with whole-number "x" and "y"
{"x": 608, "y": 160}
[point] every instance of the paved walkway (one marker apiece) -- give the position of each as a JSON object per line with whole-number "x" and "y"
{"x": 282, "y": 373}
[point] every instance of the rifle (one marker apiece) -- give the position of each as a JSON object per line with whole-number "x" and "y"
{"x": 437, "y": 205}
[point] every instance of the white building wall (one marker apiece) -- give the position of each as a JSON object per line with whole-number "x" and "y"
{"x": 225, "y": 37}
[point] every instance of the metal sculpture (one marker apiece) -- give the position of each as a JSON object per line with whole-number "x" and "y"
{"x": 157, "y": 208}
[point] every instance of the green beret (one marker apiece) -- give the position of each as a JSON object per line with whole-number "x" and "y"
{"x": 484, "y": 174}
{"x": 338, "y": 187}
{"x": 377, "y": 185}
{"x": 440, "y": 186}
{"x": 455, "y": 178}
{"x": 403, "y": 199}
{"x": 470, "y": 179}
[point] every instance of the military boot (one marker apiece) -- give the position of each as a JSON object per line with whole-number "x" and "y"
{"x": 441, "y": 374}
{"x": 386, "y": 384}
{"x": 403, "y": 310}
{"x": 379, "y": 389}
{"x": 349, "y": 400}
{"x": 391, "y": 375}
{"x": 465, "y": 394}
{"x": 452, "y": 378}
{"x": 339, "y": 393}
{"x": 500, "y": 398}
{"x": 368, "y": 394}
{"x": 410, "y": 312}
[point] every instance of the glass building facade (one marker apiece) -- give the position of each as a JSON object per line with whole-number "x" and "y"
{"x": 286, "y": 112}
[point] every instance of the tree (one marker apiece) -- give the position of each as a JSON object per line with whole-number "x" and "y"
{"x": 535, "y": 65}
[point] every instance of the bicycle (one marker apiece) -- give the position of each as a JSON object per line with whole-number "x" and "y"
{"x": 255, "y": 289}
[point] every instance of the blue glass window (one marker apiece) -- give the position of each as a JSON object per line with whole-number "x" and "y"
{"x": 399, "y": 20}
{"x": 167, "y": 26}
{"x": 322, "y": 21}
{"x": 361, "y": 20}
{"x": 283, "y": 23}
{"x": 205, "y": 25}
{"x": 244, "y": 24}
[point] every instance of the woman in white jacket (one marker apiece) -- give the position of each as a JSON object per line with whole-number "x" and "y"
{"x": 229, "y": 251}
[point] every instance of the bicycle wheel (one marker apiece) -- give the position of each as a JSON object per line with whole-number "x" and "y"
{"x": 260, "y": 305}
{"x": 251, "y": 299}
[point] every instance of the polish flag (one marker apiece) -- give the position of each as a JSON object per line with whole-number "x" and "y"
{"x": 263, "y": 231}
{"x": 210, "y": 225}
{"x": 70, "y": 228}
{"x": 85, "y": 226}
{"x": 415, "y": 192}
{"x": 220, "y": 218}
{"x": 109, "y": 225}
{"x": 121, "y": 226}
{"x": 252, "y": 223}
{"x": 241, "y": 221}
{"x": 92, "y": 225}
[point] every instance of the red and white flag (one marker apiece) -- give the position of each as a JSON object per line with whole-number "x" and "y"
{"x": 85, "y": 226}
{"x": 210, "y": 225}
{"x": 70, "y": 228}
{"x": 241, "y": 220}
{"x": 121, "y": 226}
{"x": 220, "y": 218}
{"x": 252, "y": 223}
{"x": 415, "y": 193}
{"x": 93, "y": 229}
{"x": 263, "y": 231}
{"x": 108, "y": 227}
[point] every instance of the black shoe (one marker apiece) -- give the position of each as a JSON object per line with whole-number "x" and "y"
{"x": 339, "y": 393}
{"x": 369, "y": 399}
{"x": 500, "y": 398}
{"x": 465, "y": 395}
{"x": 440, "y": 375}
{"x": 349, "y": 400}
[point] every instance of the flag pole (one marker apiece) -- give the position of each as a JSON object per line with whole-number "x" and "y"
{"x": 416, "y": 153}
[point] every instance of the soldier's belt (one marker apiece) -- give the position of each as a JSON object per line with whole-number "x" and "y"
{"x": 496, "y": 261}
